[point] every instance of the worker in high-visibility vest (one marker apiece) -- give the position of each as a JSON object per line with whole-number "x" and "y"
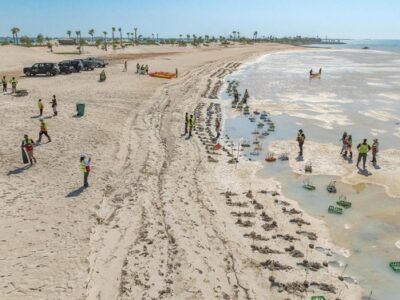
{"x": 43, "y": 131}
{"x": 363, "y": 150}
{"x": 27, "y": 144}
{"x": 4, "y": 83}
{"x": 85, "y": 167}
{"x": 40, "y": 107}
{"x": 14, "y": 82}
{"x": 300, "y": 139}
{"x": 186, "y": 123}
{"x": 191, "y": 125}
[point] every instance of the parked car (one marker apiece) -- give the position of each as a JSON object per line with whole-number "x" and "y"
{"x": 77, "y": 65}
{"x": 49, "y": 69}
{"x": 65, "y": 68}
{"x": 99, "y": 63}
{"x": 87, "y": 64}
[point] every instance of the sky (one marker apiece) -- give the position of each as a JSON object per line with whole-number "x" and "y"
{"x": 375, "y": 19}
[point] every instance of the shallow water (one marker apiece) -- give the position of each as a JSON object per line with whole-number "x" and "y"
{"x": 358, "y": 93}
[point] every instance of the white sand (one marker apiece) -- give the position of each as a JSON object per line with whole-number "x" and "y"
{"x": 153, "y": 224}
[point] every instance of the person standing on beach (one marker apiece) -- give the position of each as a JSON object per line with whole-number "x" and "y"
{"x": 191, "y": 125}
{"x": 363, "y": 150}
{"x": 349, "y": 142}
{"x": 54, "y": 105}
{"x": 176, "y": 72}
{"x": 146, "y": 68}
{"x": 138, "y": 68}
{"x": 344, "y": 144}
{"x": 85, "y": 167}
{"x": 27, "y": 144}
{"x": 4, "y": 83}
{"x": 43, "y": 131}
{"x": 186, "y": 123}
{"x": 14, "y": 83}
{"x": 217, "y": 127}
{"x": 125, "y": 66}
{"x": 375, "y": 150}
{"x": 40, "y": 107}
{"x": 300, "y": 139}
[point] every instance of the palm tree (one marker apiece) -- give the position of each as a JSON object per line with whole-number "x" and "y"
{"x": 188, "y": 37}
{"x": 152, "y": 36}
{"x": 255, "y": 35}
{"x": 135, "y": 30}
{"x": 69, "y": 32}
{"x": 234, "y": 35}
{"x": 14, "y": 32}
{"x": 105, "y": 40}
{"x": 238, "y": 35}
{"x": 120, "y": 35}
{"x": 113, "y": 31}
{"x": 91, "y": 33}
{"x": 78, "y": 33}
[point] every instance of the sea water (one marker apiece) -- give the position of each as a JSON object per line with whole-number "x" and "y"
{"x": 358, "y": 92}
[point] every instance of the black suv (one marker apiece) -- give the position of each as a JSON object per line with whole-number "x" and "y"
{"x": 66, "y": 68}
{"x": 87, "y": 64}
{"x": 76, "y": 65}
{"x": 49, "y": 69}
{"x": 98, "y": 63}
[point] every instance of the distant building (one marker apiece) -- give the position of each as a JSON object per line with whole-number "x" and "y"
{"x": 66, "y": 41}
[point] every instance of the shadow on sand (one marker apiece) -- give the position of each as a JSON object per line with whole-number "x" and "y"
{"x": 19, "y": 170}
{"x": 76, "y": 193}
{"x": 364, "y": 172}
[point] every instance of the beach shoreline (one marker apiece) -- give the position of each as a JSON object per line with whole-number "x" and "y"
{"x": 155, "y": 222}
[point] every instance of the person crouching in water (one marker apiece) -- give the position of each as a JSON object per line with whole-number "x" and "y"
{"x": 54, "y": 105}
{"x": 363, "y": 150}
{"x": 43, "y": 131}
{"x": 27, "y": 144}
{"x": 85, "y": 166}
{"x": 375, "y": 150}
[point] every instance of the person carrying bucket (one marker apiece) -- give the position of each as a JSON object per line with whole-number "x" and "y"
{"x": 363, "y": 150}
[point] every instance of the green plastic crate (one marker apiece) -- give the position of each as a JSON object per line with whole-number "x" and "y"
{"x": 395, "y": 266}
{"x": 335, "y": 210}
{"x": 344, "y": 204}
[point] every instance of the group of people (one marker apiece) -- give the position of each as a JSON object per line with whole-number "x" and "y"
{"x": 28, "y": 144}
{"x": 347, "y": 145}
{"x": 189, "y": 124}
{"x": 13, "y": 83}
{"x": 143, "y": 69}
{"x": 363, "y": 149}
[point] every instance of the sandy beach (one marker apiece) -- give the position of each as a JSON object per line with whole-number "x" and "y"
{"x": 161, "y": 219}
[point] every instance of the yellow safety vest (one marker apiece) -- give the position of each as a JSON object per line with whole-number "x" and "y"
{"x": 43, "y": 126}
{"x": 364, "y": 148}
{"x": 40, "y": 105}
{"x": 83, "y": 167}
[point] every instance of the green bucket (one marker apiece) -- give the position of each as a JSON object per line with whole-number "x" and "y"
{"x": 80, "y": 109}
